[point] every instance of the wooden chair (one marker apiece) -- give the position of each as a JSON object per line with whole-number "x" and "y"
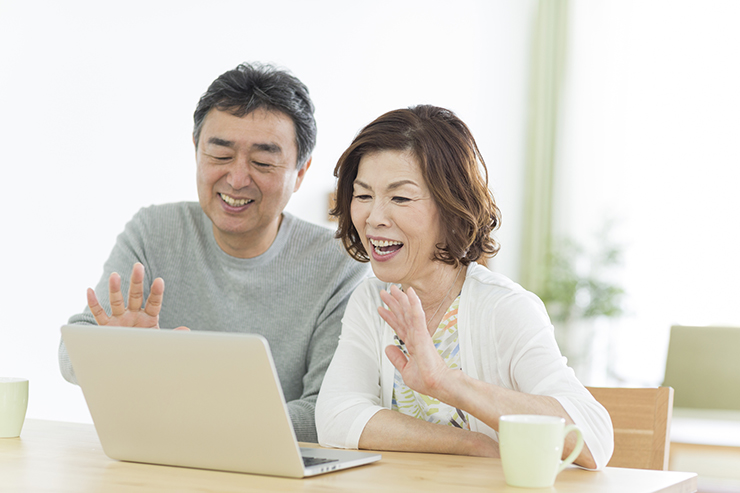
{"x": 642, "y": 423}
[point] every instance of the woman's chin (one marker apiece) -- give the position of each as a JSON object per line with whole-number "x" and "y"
{"x": 385, "y": 274}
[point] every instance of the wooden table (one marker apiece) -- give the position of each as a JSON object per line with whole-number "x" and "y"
{"x": 57, "y": 457}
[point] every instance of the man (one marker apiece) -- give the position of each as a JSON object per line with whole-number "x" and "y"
{"x": 235, "y": 261}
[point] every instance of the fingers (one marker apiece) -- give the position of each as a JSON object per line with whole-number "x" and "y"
{"x": 97, "y": 311}
{"x": 389, "y": 317}
{"x": 413, "y": 299}
{"x": 117, "y": 306}
{"x": 131, "y": 315}
{"x": 393, "y": 314}
{"x": 414, "y": 308}
{"x": 404, "y": 313}
{"x": 415, "y": 316}
{"x": 388, "y": 298}
{"x": 396, "y": 301}
{"x": 396, "y": 357}
{"x": 156, "y": 294}
{"x": 136, "y": 288}
{"x": 406, "y": 303}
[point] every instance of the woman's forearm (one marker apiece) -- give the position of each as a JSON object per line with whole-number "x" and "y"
{"x": 488, "y": 402}
{"x": 391, "y": 430}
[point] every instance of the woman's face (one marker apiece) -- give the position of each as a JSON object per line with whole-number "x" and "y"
{"x": 396, "y": 217}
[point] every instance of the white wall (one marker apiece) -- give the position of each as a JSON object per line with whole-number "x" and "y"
{"x": 97, "y": 101}
{"x": 650, "y": 139}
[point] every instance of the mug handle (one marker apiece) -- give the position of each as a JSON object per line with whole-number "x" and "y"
{"x": 576, "y": 450}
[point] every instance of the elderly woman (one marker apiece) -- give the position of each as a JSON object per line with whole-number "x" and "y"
{"x": 436, "y": 348}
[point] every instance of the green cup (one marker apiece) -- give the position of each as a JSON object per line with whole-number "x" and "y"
{"x": 531, "y": 447}
{"x": 13, "y": 404}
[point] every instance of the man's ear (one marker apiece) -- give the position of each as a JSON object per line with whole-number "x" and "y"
{"x": 301, "y": 174}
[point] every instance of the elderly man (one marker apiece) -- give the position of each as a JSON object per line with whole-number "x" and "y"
{"x": 235, "y": 261}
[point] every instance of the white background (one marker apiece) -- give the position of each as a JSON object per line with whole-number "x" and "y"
{"x": 650, "y": 139}
{"x": 96, "y": 102}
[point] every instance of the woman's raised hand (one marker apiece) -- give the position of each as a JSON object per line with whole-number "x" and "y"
{"x": 422, "y": 369}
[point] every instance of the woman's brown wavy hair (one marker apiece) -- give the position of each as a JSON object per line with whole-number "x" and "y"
{"x": 454, "y": 171}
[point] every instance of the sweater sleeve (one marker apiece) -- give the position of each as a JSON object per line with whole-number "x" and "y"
{"x": 322, "y": 347}
{"x": 128, "y": 249}
{"x": 531, "y": 362}
{"x": 351, "y": 392}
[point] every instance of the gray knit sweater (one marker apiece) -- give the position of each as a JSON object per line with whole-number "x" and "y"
{"x": 294, "y": 294}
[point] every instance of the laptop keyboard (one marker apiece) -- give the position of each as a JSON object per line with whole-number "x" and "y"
{"x": 312, "y": 461}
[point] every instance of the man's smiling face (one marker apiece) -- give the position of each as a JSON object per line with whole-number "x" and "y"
{"x": 246, "y": 173}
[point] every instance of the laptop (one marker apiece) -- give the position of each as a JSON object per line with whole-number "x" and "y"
{"x": 208, "y": 400}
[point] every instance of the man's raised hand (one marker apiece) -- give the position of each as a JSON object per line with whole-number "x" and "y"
{"x": 132, "y": 315}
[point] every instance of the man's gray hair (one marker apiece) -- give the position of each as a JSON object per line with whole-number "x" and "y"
{"x": 252, "y": 86}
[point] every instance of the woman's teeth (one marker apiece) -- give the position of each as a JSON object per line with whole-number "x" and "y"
{"x": 384, "y": 247}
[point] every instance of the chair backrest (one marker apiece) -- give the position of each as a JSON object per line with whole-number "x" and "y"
{"x": 642, "y": 422}
{"x": 703, "y": 367}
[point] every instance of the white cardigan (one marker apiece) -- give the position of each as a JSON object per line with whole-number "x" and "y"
{"x": 506, "y": 339}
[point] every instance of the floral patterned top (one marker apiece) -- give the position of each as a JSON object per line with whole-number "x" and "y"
{"x": 414, "y": 404}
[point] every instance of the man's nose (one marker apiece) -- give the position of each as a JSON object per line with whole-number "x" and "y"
{"x": 239, "y": 175}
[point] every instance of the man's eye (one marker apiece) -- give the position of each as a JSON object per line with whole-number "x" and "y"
{"x": 262, "y": 165}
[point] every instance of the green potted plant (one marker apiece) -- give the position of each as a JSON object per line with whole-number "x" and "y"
{"x": 580, "y": 296}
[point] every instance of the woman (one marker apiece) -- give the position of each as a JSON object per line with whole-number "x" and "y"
{"x": 436, "y": 347}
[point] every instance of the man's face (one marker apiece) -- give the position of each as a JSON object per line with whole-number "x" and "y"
{"x": 246, "y": 174}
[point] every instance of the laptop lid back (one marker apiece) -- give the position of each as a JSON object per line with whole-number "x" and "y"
{"x": 209, "y": 400}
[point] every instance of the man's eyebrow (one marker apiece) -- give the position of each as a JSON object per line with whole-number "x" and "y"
{"x": 221, "y": 142}
{"x": 268, "y": 147}
{"x": 265, "y": 147}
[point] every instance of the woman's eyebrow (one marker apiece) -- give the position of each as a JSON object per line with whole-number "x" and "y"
{"x": 400, "y": 183}
{"x": 393, "y": 186}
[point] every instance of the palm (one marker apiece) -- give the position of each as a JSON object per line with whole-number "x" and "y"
{"x": 420, "y": 375}
{"x": 134, "y": 319}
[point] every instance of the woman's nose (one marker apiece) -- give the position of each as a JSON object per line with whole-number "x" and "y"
{"x": 377, "y": 216}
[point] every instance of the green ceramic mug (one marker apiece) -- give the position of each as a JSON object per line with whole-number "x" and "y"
{"x": 13, "y": 404}
{"x": 531, "y": 447}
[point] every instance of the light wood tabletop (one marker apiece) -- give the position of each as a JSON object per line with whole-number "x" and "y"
{"x": 56, "y": 456}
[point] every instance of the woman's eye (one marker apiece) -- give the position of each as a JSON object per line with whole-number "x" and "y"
{"x": 362, "y": 197}
{"x": 400, "y": 200}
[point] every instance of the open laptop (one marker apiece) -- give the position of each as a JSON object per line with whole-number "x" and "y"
{"x": 209, "y": 400}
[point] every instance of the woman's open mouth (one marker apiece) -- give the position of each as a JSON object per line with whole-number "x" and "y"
{"x": 382, "y": 249}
